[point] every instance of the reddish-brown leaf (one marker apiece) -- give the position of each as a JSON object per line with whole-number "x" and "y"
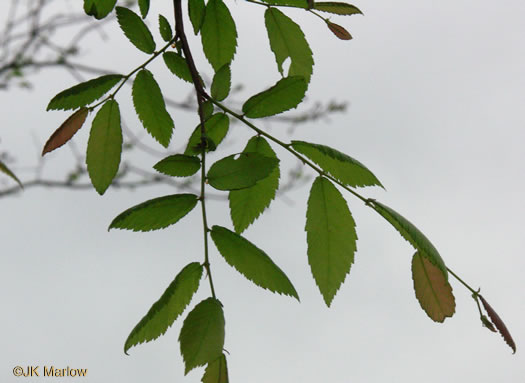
{"x": 67, "y": 130}
{"x": 339, "y": 31}
{"x": 433, "y": 291}
{"x": 499, "y": 324}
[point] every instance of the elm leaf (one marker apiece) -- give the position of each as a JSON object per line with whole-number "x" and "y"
{"x": 135, "y": 30}
{"x": 167, "y": 309}
{"x": 216, "y": 371}
{"x": 289, "y": 3}
{"x": 155, "y": 214}
{"x": 202, "y": 335}
{"x": 4, "y": 169}
{"x": 104, "y": 146}
{"x": 337, "y": 8}
{"x": 221, "y": 84}
{"x": 196, "y": 11}
{"x": 178, "y": 165}
{"x": 339, "y": 31}
{"x": 165, "y": 29}
{"x": 493, "y": 315}
{"x": 178, "y": 66}
{"x": 251, "y": 262}
{"x": 433, "y": 291}
{"x": 99, "y": 8}
{"x": 66, "y": 131}
{"x": 216, "y": 129}
{"x": 144, "y": 8}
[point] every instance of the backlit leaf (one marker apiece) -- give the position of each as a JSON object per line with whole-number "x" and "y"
{"x": 219, "y": 35}
{"x": 66, "y": 131}
{"x": 84, "y": 93}
{"x": 4, "y": 169}
{"x": 337, "y": 8}
{"x": 168, "y": 308}
{"x": 165, "y": 29}
{"x": 178, "y": 165}
{"x": 505, "y": 333}
{"x": 251, "y": 262}
{"x": 216, "y": 371}
{"x": 216, "y": 129}
{"x": 331, "y": 237}
{"x": 150, "y": 107}
{"x": 433, "y": 291}
{"x": 99, "y": 8}
{"x": 177, "y": 65}
{"x": 220, "y": 87}
{"x": 135, "y": 30}
{"x": 247, "y": 204}
{"x": 202, "y": 335}
{"x": 156, "y": 213}
{"x": 245, "y": 171}
{"x": 104, "y": 146}
{"x": 346, "y": 169}
{"x": 286, "y": 94}
{"x": 196, "y": 10}
{"x": 287, "y": 40}
{"x": 144, "y": 8}
{"x": 339, "y": 31}
{"x": 412, "y": 234}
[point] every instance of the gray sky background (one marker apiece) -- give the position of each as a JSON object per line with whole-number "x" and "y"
{"x": 437, "y": 113}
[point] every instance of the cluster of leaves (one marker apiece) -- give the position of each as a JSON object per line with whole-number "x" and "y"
{"x": 251, "y": 177}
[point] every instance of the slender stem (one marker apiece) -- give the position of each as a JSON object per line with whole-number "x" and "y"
{"x": 201, "y": 95}
{"x": 462, "y": 282}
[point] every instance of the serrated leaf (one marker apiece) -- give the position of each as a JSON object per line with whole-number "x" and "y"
{"x": 412, "y": 234}
{"x": 337, "y": 8}
{"x": 168, "y": 308}
{"x": 4, "y": 169}
{"x": 505, "y": 333}
{"x": 331, "y": 237}
{"x": 286, "y": 94}
{"x": 216, "y": 371}
{"x": 339, "y": 31}
{"x": 247, "y": 204}
{"x": 155, "y": 214}
{"x": 251, "y": 262}
{"x": 84, "y": 93}
{"x": 104, "y": 146}
{"x": 178, "y": 165}
{"x": 433, "y": 291}
{"x": 135, "y": 30}
{"x": 99, "y": 8}
{"x": 245, "y": 171}
{"x": 287, "y": 40}
{"x": 207, "y": 109}
{"x": 219, "y": 35}
{"x": 151, "y": 108}
{"x": 221, "y": 85}
{"x": 202, "y": 334}
{"x": 216, "y": 129}
{"x": 346, "y": 169}
{"x": 196, "y": 11}
{"x": 66, "y": 131}
{"x": 144, "y": 8}
{"x": 165, "y": 29}
{"x": 178, "y": 66}
{"x": 288, "y": 3}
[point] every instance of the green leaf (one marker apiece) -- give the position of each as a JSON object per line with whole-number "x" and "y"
{"x": 433, "y": 291}
{"x": 4, "y": 169}
{"x": 216, "y": 129}
{"x": 287, "y": 40}
{"x": 216, "y": 371}
{"x": 219, "y": 35}
{"x": 220, "y": 87}
{"x": 337, "y": 8}
{"x": 104, "y": 146}
{"x": 144, "y": 8}
{"x": 150, "y": 107}
{"x": 231, "y": 174}
{"x": 207, "y": 109}
{"x": 66, "y": 131}
{"x": 411, "y": 233}
{"x": 286, "y": 94}
{"x": 196, "y": 11}
{"x": 165, "y": 29}
{"x": 135, "y": 30}
{"x": 247, "y": 204}
{"x": 331, "y": 237}
{"x": 251, "y": 262}
{"x": 178, "y": 165}
{"x": 168, "y": 308}
{"x": 156, "y": 213}
{"x": 178, "y": 66}
{"x": 346, "y": 169}
{"x": 99, "y": 8}
{"x": 288, "y": 3}
{"x": 202, "y": 335}
{"x": 84, "y": 93}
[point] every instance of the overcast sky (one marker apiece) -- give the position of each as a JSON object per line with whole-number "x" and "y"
{"x": 436, "y": 93}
